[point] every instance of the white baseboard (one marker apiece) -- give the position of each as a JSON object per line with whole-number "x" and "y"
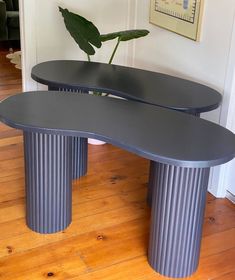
{"x": 230, "y": 196}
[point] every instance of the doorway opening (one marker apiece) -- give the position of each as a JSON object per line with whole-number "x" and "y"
{"x": 10, "y": 49}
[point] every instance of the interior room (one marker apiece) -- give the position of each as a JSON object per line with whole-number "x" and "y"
{"x": 110, "y": 232}
{"x": 10, "y": 41}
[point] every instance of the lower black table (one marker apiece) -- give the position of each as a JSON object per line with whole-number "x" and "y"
{"x": 183, "y": 167}
{"x": 130, "y": 83}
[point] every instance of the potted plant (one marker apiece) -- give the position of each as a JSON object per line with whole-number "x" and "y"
{"x": 88, "y": 37}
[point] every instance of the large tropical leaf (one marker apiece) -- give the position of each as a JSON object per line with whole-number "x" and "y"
{"x": 124, "y": 35}
{"x": 84, "y": 32}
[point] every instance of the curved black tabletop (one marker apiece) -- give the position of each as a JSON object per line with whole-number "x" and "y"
{"x": 155, "y": 133}
{"x": 130, "y": 83}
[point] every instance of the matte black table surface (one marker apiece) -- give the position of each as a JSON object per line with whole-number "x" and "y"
{"x": 158, "y": 134}
{"x": 130, "y": 83}
{"x": 182, "y": 146}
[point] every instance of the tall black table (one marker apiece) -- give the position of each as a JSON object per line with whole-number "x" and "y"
{"x": 129, "y": 83}
{"x": 183, "y": 171}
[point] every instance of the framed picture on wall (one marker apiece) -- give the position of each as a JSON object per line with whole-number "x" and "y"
{"x": 180, "y": 16}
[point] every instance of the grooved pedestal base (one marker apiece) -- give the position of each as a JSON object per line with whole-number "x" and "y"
{"x": 176, "y": 220}
{"x": 79, "y": 157}
{"x": 48, "y": 182}
{"x": 152, "y": 183}
{"x": 79, "y": 145}
{"x": 153, "y": 167}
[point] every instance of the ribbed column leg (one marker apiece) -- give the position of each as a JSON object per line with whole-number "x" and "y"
{"x": 79, "y": 145}
{"x": 48, "y": 177}
{"x": 152, "y": 180}
{"x": 152, "y": 183}
{"x": 79, "y": 157}
{"x": 176, "y": 220}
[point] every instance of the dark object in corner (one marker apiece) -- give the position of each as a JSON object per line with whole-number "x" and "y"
{"x": 9, "y": 21}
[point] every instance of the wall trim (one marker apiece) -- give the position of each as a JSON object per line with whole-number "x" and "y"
{"x": 227, "y": 114}
{"x": 230, "y": 197}
{"x": 131, "y": 24}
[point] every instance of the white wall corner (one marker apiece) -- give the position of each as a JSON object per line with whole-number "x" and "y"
{"x": 227, "y": 108}
{"x": 230, "y": 196}
{"x": 227, "y": 119}
{"x": 217, "y": 181}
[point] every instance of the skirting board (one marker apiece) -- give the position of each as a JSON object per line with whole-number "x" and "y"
{"x": 230, "y": 196}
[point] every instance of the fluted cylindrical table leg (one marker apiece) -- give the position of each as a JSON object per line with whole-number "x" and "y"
{"x": 152, "y": 183}
{"x": 79, "y": 157}
{"x": 177, "y": 219}
{"x": 79, "y": 145}
{"x": 48, "y": 177}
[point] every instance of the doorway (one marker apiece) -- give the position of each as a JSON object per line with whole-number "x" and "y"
{"x": 10, "y": 51}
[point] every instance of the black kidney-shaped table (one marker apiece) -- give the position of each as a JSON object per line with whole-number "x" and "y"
{"x": 129, "y": 83}
{"x": 183, "y": 147}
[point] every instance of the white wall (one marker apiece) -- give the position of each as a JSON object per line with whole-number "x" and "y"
{"x": 28, "y": 35}
{"x": 231, "y": 166}
{"x": 227, "y": 119}
{"x": 47, "y": 38}
{"x": 205, "y": 61}
{"x": 53, "y": 40}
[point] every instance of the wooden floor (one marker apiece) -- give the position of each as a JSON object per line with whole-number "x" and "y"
{"x": 108, "y": 237}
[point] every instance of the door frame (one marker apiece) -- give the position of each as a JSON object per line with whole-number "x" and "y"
{"x": 28, "y": 40}
{"x": 227, "y": 117}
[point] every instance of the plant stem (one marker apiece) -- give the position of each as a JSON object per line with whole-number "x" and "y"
{"x": 88, "y": 57}
{"x": 114, "y": 51}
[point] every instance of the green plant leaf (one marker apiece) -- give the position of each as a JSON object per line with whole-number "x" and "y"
{"x": 124, "y": 35}
{"x": 84, "y": 32}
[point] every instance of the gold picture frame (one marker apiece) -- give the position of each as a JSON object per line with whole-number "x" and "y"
{"x": 180, "y": 16}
